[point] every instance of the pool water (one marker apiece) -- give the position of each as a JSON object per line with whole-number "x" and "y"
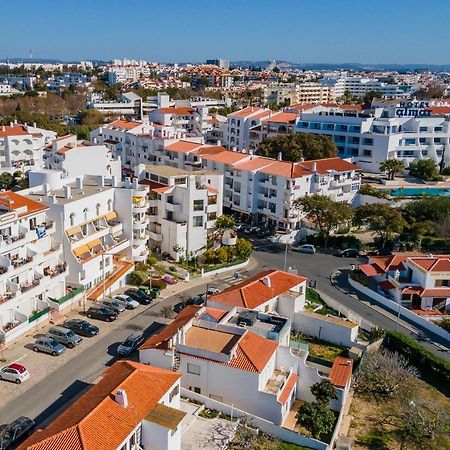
{"x": 415, "y": 192}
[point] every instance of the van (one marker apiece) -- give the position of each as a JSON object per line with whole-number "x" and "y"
{"x": 64, "y": 336}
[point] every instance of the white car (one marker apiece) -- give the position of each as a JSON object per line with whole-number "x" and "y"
{"x": 15, "y": 373}
{"x": 127, "y": 301}
{"x": 307, "y": 248}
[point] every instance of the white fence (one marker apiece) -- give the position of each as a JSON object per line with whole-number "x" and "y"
{"x": 225, "y": 269}
{"x": 398, "y": 309}
{"x": 265, "y": 426}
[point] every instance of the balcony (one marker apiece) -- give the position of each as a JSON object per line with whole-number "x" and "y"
{"x": 140, "y": 225}
{"x": 174, "y": 207}
{"x": 155, "y": 236}
{"x": 276, "y": 382}
{"x": 24, "y": 287}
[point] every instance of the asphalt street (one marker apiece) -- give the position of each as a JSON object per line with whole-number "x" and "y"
{"x": 45, "y": 398}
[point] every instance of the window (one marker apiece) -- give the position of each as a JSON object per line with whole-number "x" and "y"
{"x": 109, "y": 205}
{"x": 423, "y": 129}
{"x": 194, "y": 369}
{"x": 198, "y": 205}
{"x": 198, "y": 221}
{"x": 367, "y": 141}
{"x": 72, "y": 219}
{"x": 367, "y": 152}
{"x": 174, "y": 392}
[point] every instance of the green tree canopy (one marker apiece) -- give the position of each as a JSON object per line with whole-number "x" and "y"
{"x": 323, "y": 211}
{"x": 434, "y": 209}
{"x": 391, "y": 167}
{"x": 382, "y": 219}
{"x": 92, "y": 118}
{"x": 317, "y": 418}
{"x": 424, "y": 169}
{"x": 324, "y": 391}
{"x": 224, "y": 222}
{"x": 296, "y": 146}
{"x": 367, "y": 99}
{"x": 6, "y": 180}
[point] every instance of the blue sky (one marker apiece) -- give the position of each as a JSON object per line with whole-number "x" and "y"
{"x": 329, "y": 31}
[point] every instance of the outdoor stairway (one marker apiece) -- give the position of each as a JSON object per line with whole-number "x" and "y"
{"x": 176, "y": 362}
{"x": 97, "y": 291}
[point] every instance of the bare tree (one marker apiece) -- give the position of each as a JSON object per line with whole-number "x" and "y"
{"x": 383, "y": 374}
{"x": 443, "y": 228}
{"x": 167, "y": 312}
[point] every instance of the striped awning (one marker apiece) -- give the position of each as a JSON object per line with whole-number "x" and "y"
{"x": 111, "y": 215}
{"x": 73, "y": 230}
{"x": 94, "y": 243}
{"x": 81, "y": 250}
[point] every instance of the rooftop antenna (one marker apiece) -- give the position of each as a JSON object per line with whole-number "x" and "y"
{"x": 31, "y": 54}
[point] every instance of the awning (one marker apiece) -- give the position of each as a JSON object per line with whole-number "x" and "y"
{"x": 94, "y": 243}
{"x": 73, "y": 230}
{"x": 81, "y": 250}
{"x": 137, "y": 199}
{"x": 111, "y": 215}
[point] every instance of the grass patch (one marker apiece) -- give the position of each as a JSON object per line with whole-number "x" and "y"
{"x": 375, "y": 440}
{"x": 321, "y": 349}
{"x": 314, "y": 300}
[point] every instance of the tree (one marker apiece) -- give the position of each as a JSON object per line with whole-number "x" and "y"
{"x": 243, "y": 248}
{"x": 166, "y": 312}
{"x": 317, "y": 418}
{"x": 160, "y": 269}
{"x": 391, "y": 167}
{"x": 434, "y": 209}
{"x": 152, "y": 261}
{"x": 326, "y": 213}
{"x": 224, "y": 222}
{"x": 324, "y": 391}
{"x": 6, "y": 180}
{"x": 293, "y": 147}
{"x": 383, "y": 374}
{"x": 92, "y": 118}
{"x": 424, "y": 169}
{"x": 137, "y": 278}
{"x": 382, "y": 219}
{"x": 443, "y": 228}
{"x": 368, "y": 98}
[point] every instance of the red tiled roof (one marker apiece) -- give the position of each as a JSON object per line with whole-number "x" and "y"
{"x": 249, "y": 111}
{"x": 124, "y": 124}
{"x": 15, "y": 130}
{"x": 254, "y": 163}
{"x": 282, "y": 117}
{"x": 392, "y": 262}
{"x": 412, "y": 290}
{"x": 328, "y": 164}
{"x": 178, "y": 111}
{"x": 341, "y": 372}
{"x": 12, "y": 200}
{"x": 183, "y": 146}
{"x": 210, "y": 150}
{"x": 96, "y": 420}
{"x": 438, "y": 110}
{"x": 227, "y": 157}
{"x": 287, "y": 388}
{"x": 253, "y": 292}
{"x": 370, "y": 270}
{"x": 286, "y": 169}
{"x": 160, "y": 340}
{"x": 436, "y": 292}
{"x": 386, "y": 285}
{"x": 435, "y": 263}
{"x": 215, "y": 312}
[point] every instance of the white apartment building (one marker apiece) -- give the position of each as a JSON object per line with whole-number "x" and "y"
{"x": 370, "y": 137}
{"x": 359, "y": 86}
{"x": 131, "y": 406}
{"x": 32, "y": 266}
{"x": 21, "y": 147}
{"x": 77, "y": 158}
{"x": 183, "y": 208}
{"x": 240, "y": 123}
{"x": 5, "y": 89}
{"x": 101, "y": 223}
{"x": 66, "y": 80}
{"x": 291, "y": 94}
{"x": 263, "y": 189}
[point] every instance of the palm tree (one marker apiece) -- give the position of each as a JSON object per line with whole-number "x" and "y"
{"x": 391, "y": 167}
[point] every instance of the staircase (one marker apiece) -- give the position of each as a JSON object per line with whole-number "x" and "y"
{"x": 176, "y": 362}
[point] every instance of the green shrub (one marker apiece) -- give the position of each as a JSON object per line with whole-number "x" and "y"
{"x": 161, "y": 284}
{"x": 367, "y": 189}
{"x": 444, "y": 324}
{"x": 152, "y": 261}
{"x": 137, "y": 278}
{"x": 142, "y": 267}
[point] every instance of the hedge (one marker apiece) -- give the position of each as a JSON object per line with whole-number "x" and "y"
{"x": 161, "y": 284}
{"x": 425, "y": 361}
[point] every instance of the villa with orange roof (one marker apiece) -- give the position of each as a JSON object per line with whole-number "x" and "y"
{"x": 21, "y": 147}
{"x": 416, "y": 281}
{"x": 32, "y": 265}
{"x": 132, "y": 406}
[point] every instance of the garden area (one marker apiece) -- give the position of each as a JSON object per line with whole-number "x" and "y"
{"x": 320, "y": 349}
{"x": 315, "y": 303}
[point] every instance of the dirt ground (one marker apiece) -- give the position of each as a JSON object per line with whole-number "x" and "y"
{"x": 370, "y": 430}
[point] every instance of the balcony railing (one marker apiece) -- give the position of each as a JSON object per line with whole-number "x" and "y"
{"x": 38, "y": 314}
{"x": 68, "y": 296}
{"x": 27, "y": 286}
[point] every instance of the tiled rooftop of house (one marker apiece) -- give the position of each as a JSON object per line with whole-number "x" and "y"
{"x": 341, "y": 371}
{"x": 12, "y": 201}
{"x": 211, "y": 340}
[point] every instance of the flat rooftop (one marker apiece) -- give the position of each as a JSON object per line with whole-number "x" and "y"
{"x": 211, "y": 340}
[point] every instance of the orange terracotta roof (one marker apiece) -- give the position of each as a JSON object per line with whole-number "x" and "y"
{"x": 370, "y": 270}
{"x": 327, "y": 164}
{"x": 212, "y": 190}
{"x": 124, "y": 124}
{"x": 227, "y": 157}
{"x": 282, "y": 117}
{"x": 112, "y": 278}
{"x": 163, "y": 189}
{"x": 183, "y": 146}
{"x": 215, "y": 312}
{"x": 178, "y": 111}
{"x": 341, "y": 372}
{"x": 15, "y": 130}
{"x": 436, "y": 292}
{"x": 247, "y": 111}
{"x": 286, "y": 169}
{"x": 12, "y": 201}
{"x": 386, "y": 285}
{"x": 302, "y": 106}
{"x": 438, "y": 110}
{"x": 160, "y": 340}
{"x": 435, "y": 263}
{"x": 392, "y": 262}
{"x": 211, "y": 150}
{"x": 96, "y": 420}
{"x": 253, "y": 292}
{"x": 254, "y": 163}
{"x": 287, "y": 388}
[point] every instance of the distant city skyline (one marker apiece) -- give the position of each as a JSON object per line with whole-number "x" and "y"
{"x": 301, "y": 31}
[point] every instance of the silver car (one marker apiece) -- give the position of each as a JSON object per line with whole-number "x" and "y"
{"x": 64, "y": 336}
{"x": 113, "y": 304}
{"x": 130, "y": 344}
{"x": 127, "y": 301}
{"x": 48, "y": 345}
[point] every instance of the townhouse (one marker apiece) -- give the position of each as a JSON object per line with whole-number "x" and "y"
{"x": 32, "y": 265}
{"x": 416, "y": 281}
{"x": 408, "y": 131}
{"x": 131, "y": 406}
{"x": 101, "y": 223}
{"x": 183, "y": 208}
{"x": 70, "y": 155}
{"x": 21, "y": 147}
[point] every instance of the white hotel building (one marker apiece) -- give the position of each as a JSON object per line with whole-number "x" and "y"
{"x": 373, "y": 136}
{"x": 32, "y": 266}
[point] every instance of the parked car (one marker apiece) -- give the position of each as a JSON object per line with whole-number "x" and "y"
{"x": 195, "y": 300}
{"x": 127, "y": 300}
{"x": 130, "y": 344}
{"x": 307, "y": 248}
{"x": 153, "y": 292}
{"x": 102, "y": 313}
{"x": 13, "y": 434}
{"x": 247, "y": 230}
{"x": 212, "y": 291}
{"x": 48, "y": 345}
{"x": 348, "y": 253}
{"x": 114, "y": 304}
{"x": 168, "y": 279}
{"x": 81, "y": 327}
{"x": 64, "y": 336}
{"x": 15, "y": 373}
{"x": 139, "y": 296}
{"x": 179, "y": 307}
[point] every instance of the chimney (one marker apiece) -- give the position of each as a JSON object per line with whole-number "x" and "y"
{"x": 46, "y": 189}
{"x": 219, "y": 142}
{"x": 34, "y": 125}
{"x": 122, "y": 398}
{"x": 267, "y": 282}
{"x": 3, "y": 128}
{"x": 95, "y": 140}
{"x": 11, "y": 124}
{"x": 67, "y": 192}
{"x": 250, "y": 152}
{"x": 280, "y": 156}
{"x": 234, "y": 149}
{"x": 15, "y": 121}
{"x": 314, "y": 167}
{"x": 79, "y": 183}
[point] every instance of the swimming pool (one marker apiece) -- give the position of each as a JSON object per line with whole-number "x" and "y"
{"x": 416, "y": 192}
